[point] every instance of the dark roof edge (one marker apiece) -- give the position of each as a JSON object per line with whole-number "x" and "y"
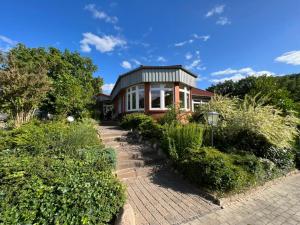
{"x": 152, "y": 67}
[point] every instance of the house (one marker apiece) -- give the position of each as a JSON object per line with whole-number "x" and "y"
{"x": 152, "y": 89}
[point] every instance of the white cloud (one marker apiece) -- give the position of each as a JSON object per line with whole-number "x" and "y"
{"x": 107, "y": 88}
{"x": 161, "y": 59}
{"x": 190, "y": 41}
{"x": 238, "y": 74}
{"x": 106, "y": 43}
{"x": 223, "y": 21}
{"x": 201, "y": 37}
{"x": 194, "y": 64}
{"x": 292, "y": 58}
{"x": 188, "y": 56}
{"x": 6, "y": 43}
{"x": 216, "y": 10}
{"x": 100, "y": 14}
{"x": 179, "y": 44}
{"x": 247, "y": 71}
{"x": 234, "y": 78}
{"x": 136, "y": 62}
{"x": 126, "y": 65}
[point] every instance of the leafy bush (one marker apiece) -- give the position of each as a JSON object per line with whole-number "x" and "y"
{"x": 224, "y": 172}
{"x": 197, "y": 116}
{"x": 171, "y": 116}
{"x": 111, "y": 156}
{"x": 283, "y": 158}
{"x": 43, "y": 190}
{"x": 133, "y": 120}
{"x": 145, "y": 124}
{"x": 52, "y": 137}
{"x": 57, "y": 173}
{"x": 251, "y": 120}
{"x": 214, "y": 170}
{"x": 182, "y": 139}
{"x": 151, "y": 129}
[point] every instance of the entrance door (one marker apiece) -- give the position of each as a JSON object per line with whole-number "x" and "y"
{"x": 107, "y": 112}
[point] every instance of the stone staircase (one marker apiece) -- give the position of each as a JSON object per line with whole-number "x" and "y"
{"x": 133, "y": 159}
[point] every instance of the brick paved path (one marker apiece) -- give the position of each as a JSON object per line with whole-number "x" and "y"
{"x": 165, "y": 199}
{"x": 160, "y": 197}
{"x": 156, "y": 195}
{"x": 279, "y": 204}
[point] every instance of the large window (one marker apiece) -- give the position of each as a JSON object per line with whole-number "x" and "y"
{"x": 184, "y": 97}
{"x": 135, "y": 98}
{"x": 162, "y": 96}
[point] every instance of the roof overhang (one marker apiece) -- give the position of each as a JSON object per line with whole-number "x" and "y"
{"x": 174, "y": 73}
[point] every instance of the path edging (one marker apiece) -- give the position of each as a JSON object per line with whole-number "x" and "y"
{"x": 126, "y": 216}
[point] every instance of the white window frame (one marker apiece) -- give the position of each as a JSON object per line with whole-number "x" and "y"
{"x": 186, "y": 92}
{"x": 162, "y": 88}
{"x": 129, "y": 92}
{"x": 197, "y": 103}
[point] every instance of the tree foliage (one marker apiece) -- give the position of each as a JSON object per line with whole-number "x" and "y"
{"x": 280, "y": 91}
{"x": 22, "y": 87}
{"x": 71, "y": 75}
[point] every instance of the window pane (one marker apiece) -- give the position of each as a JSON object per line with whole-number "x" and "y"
{"x": 155, "y": 98}
{"x": 132, "y": 88}
{"x": 182, "y": 99}
{"x": 168, "y": 98}
{"x": 141, "y": 87}
{"x": 128, "y": 102}
{"x": 133, "y": 100}
{"x": 141, "y": 99}
{"x": 188, "y": 101}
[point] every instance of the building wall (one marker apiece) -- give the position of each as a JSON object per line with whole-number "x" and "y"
{"x": 156, "y": 114}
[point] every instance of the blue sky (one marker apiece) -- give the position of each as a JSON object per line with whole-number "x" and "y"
{"x": 216, "y": 39}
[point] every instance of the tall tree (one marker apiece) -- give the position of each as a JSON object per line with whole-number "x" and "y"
{"x": 73, "y": 84}
{"x": 22, "y": 88}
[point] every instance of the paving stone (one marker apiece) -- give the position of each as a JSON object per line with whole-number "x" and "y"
{"x": 161, "y": 197}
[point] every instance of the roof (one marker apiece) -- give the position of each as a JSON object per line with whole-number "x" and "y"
{"x": 158, "y": 67}
{"x": 200, "y": 92}
{"x": 154, "y": 74}
{"x": 102, "y": 94}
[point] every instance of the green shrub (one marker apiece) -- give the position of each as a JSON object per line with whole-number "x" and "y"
{"x": 283, "y": 158}
{"x": 110, "y": 156}
{"x": 182, "y": 139}
{"x": 151, "y": 129}
{"x": 224, "y": 172}
{"x": 133, "y": 120}
{"x": 144, "y": 124}
{"x": 171, "y": 116}
{"x": 214, "y": 170}
{"x": 52, "y": 137}
{"x": 43, "y": 190}
{"x": 251, "y": 116}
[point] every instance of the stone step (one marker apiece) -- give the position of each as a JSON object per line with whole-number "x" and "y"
{"x": 127, "y": 155}
{"x": 137, "y": 163}
{"x": 114, "y": 145}
{"x": 135, "y": 172}
{"x": 114, "y": 133}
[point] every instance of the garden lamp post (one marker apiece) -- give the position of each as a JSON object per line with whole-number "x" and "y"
{"x": 212, "y": 119}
